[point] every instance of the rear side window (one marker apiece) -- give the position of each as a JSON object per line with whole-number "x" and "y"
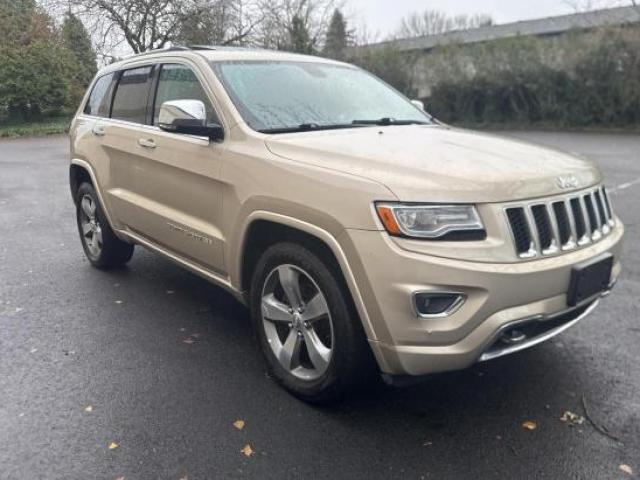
{"x": 130, "y": 101}
{"x": 99, "y": 101}
{"x": 177, "y": 82}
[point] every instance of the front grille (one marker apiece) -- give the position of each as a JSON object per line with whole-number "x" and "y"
{"x": 520, "y": 229}
{"x": 591, "y": 212}
{"x": 579, "y": 218}
{"x": 562, "y": 218}
{"x": 543, "y": 226}
{"x": 546, "y": 227}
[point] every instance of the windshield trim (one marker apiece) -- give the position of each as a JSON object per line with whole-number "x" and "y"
{"x": 251, "y": 120}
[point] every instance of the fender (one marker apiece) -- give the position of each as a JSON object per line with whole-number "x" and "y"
{"x": 96, "y": 185}
{"x": 321, "y": 234}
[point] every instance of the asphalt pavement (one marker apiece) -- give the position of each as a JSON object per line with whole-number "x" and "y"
{"x": 157, "y": 364}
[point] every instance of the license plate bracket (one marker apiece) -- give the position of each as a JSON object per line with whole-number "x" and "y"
{"x": 589, "y": 279}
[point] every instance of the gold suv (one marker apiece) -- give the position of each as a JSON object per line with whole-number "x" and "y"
{"x": 360, "y": 231}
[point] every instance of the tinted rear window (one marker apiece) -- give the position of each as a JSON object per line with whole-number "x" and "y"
{"x": 130, "y": 101}
{"x": 99, "y": 101}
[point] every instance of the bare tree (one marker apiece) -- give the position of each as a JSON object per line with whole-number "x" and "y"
{"x": 434, "y": 22}
{"x": 223, "y": 22}
{"x": 279, "y": 15}
{"x": 144, "y": 25}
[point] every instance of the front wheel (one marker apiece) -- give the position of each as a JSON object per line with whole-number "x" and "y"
{"x": 312, "y": 340}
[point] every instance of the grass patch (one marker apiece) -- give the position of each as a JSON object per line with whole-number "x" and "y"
{"x": 40, "y": 128}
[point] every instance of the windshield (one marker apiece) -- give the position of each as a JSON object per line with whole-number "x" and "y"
{"x": 282, "y": 96}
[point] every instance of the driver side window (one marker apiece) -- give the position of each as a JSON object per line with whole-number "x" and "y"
{"x": 177, "y": 82}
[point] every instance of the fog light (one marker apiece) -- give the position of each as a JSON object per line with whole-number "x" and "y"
{"x": 437, "y": 304}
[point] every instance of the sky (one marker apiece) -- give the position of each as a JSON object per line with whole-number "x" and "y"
{"x": 382, "y": 17}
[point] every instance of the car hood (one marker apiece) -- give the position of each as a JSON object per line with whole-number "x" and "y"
{"x": 439, "y": 164}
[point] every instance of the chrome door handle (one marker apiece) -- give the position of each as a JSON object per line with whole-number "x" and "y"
{"x": 98, "y": 130}
{"x": 143, "y": 142}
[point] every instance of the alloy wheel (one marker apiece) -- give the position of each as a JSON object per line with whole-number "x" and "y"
{"x": 297, "y": 322}
{"x": 90, "y": 226}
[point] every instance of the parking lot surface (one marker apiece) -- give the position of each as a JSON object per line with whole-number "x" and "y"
{"x": 141, "y": 373}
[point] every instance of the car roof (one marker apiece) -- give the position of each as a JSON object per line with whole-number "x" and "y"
{"x": 221, "y": 53}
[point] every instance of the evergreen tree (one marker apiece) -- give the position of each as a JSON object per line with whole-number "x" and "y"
{"x": 35, "y": 68}
{"x": 337, "y": 37}
{"x": 77, "y": 40}
{"x": 22, "y": 22}
{"x": 299, "y": 39}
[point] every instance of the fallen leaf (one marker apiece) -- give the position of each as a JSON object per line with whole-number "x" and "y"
{"x": 88, "y": 408}
{"x": 529, "y": 425}
{"x": 572, "y": 418}
{"x": 247, "y": 450}
{"x": 113, "y": 446}
{"x": 626, "y": 469}
{"x": 239, "y": 424}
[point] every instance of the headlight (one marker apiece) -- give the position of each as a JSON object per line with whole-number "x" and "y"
{"x": 432, "y": 221}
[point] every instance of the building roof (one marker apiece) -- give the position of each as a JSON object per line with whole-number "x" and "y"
{"x": 538, "y": 27}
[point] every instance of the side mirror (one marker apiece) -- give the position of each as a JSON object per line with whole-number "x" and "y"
{"x": 188, "y": 117}
{"x": 419, "y": 104}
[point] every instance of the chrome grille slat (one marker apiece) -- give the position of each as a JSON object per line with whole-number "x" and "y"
{"x": 607, "y": 203}
{"x": 604, "y": 221}
{"x": 573, "y": 241}
{"x": 580, "y": 221}
{"x": 555, "y": 233}
{"x": 546, "y": 227}
{"x": 589, "y": 217}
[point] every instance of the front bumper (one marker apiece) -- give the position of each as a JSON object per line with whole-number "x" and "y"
{"x": 498, "y": 296}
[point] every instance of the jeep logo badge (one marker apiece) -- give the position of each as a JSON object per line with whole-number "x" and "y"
{"x": 567, "y": 181}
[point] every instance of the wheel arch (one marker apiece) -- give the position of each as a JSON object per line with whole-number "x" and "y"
{"x": 79, "y": 172}
{"x": 77, "y": 176}
{"x": 263, "y": 229}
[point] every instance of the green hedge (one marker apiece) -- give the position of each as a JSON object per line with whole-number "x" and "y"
{"x": 590, "y": 81}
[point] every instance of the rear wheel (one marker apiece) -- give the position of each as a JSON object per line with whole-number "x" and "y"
{"x": 313, "y": 343}
{"x": 101, "y": 246}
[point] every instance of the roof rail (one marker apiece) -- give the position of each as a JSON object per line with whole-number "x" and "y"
{"x": 184, "y": 48}
{"x": 174, "y": 48}
{"x": 202, "y": 47}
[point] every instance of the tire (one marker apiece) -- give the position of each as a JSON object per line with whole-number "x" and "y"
{"x": 312, "y": 375}
{"x": 101, "y": 246}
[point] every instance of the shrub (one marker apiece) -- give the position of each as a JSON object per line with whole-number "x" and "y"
{"x": 34, "y": 79}
{"x": 578, "y": 80}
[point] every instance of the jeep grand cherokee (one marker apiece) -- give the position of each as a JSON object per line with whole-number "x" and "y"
{"x": 358, "y": 229}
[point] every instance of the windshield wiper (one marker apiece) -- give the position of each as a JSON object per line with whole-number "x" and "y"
{"x": 386, "y": 121}
{"x": 309, "y": 127}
